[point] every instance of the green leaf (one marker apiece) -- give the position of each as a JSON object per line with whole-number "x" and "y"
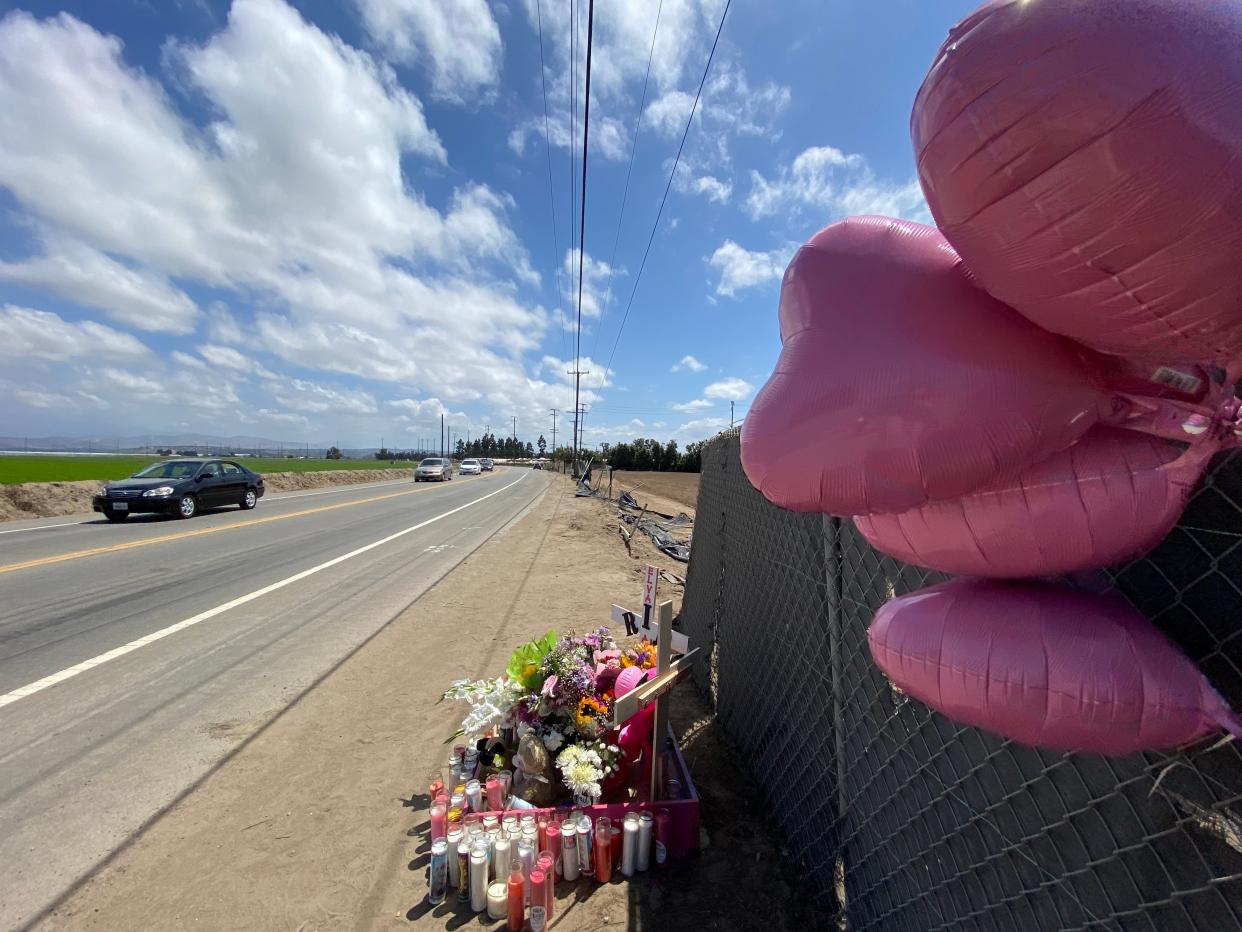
{"x": 524, "y": 663}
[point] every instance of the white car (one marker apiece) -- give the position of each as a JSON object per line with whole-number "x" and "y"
{"x": 470, "y": 467}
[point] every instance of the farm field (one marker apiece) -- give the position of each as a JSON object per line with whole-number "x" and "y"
{"x": 52, "y": 468}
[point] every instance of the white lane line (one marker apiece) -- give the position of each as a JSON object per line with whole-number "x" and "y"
{"x": 42, "y": 527}
{"x": 70, "y": 672}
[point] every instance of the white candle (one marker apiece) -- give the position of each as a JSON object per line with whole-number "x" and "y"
{"x": 498, "y": 900}
{"x": 454, "y": 839}
{"x": 569, "y": 850}
{"x": 501, "y": 859}
{"x": 629, "y": 844}
{"x": 526, "y": 854}
{"x": 646, "y": 824}
{"x": 478, "y": 879}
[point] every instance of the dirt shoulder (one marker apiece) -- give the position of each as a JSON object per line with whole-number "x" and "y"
{"x": 318, "y": 821}
{"x": 681, "y": 488}
{"x": 50, "y": 499}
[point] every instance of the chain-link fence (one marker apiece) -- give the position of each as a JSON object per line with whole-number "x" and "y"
{"x": 903, "y": 819}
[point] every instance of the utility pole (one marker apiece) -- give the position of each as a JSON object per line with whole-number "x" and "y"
{"x": 730, "y": 414}
{"x": 441, "y": 434}
{"x": 577, "y": 374}
{"x": 554, "y": 414}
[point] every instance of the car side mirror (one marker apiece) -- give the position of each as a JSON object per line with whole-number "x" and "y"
{"x": 204, "y": 475}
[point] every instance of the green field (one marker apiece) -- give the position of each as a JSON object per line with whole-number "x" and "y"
{"x": 51, "y": 468}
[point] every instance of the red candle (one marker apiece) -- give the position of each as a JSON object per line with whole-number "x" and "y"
{"x": 603, "y": 849}
{"x": 616, "y": 845}
{"x": 661, "y": 838}
{"x": 554, "y": 845}
{"x": 517, "y": 904}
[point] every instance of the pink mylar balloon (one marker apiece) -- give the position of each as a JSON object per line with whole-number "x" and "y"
{"x": 1113, "y": 495}
{"x": 1047, "y": 666}
{"x": 1082, "y": 157}
{"x": 900, "y": 381}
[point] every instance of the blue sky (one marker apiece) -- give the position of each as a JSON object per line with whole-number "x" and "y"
{"x": 331, "y": 221}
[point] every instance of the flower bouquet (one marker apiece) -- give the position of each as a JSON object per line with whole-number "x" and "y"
{"x": 556, "y": 698}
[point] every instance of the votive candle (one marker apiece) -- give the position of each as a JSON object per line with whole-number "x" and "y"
{"x": 603, "y": 849}
{"x": 629, "y": 844}
{"x": 646, "y": 827}
{"x": 498, "y": 900}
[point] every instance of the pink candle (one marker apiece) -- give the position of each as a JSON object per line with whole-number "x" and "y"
{"x": 543, "y": 831}
{"x": 546, "y": 863}
{"x": 493, "y": 793}
{"x": 439, "y": 820}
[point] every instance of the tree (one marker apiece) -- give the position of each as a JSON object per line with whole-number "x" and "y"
{"x": 333, "y": 453}
{"x": 543, "y": 445}
{"x": 461, "y": 448}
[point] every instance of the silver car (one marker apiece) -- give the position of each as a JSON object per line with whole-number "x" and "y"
{"x": 434, "y": 467}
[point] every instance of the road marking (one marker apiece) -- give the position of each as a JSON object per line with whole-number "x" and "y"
{"x": 42, "y": 527}
{"x": 70, "y": 672}
{"x": 165, "y": 538}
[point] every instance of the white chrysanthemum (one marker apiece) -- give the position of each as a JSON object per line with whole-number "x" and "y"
{"x": 553, "y": 740}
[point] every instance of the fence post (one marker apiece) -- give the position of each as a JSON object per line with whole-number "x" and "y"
{"x": 833, "y": 567}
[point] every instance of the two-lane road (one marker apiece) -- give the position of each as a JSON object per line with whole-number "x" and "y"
{"x": 133, "y": 657}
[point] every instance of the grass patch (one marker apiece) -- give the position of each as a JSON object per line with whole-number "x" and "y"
{"x": 52, "y": 468}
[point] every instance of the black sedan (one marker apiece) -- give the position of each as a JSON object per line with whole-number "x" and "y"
{"x": 181, "y": 488}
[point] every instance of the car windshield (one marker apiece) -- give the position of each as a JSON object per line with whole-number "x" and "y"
{"x": 181, "y": 469}
{"x": 470, "y": 462}
{"x": 432, "y": 462}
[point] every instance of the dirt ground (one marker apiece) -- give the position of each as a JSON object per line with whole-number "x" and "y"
{"x": 317, "y": 820}
{"x": 680, "y": 487}
{"x": 49, "y": 499}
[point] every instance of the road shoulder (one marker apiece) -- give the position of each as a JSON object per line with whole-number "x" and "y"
{"x": 307, "y": 826}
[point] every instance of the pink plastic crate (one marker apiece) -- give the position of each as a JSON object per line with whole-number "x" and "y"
{"x": 683, "y": 814}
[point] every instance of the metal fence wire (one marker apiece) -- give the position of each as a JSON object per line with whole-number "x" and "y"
{"x": 904, "y": 820}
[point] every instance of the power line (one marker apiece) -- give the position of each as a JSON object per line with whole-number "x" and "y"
{"x": 638, "y": 122}
{"x": 586, "y": 133}
{"x": 659, "y": 213}
{"x": 547, "y": 138}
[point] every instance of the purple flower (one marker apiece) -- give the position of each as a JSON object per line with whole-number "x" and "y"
{"x": 549, "y": 685}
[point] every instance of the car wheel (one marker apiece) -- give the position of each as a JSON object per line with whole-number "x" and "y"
{"x": 117, "y": 516}
{"x": 249, "y": 500}
{"x": 187, "y": 507}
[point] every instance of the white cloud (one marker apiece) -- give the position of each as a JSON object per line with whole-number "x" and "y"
{"x": 732, "y": 389}
{"x": 595, "y": 279}
{"x": 689, "y": 363}
{"x": 227, "y": 357}
{"x": 689, "y": 407}
{"x": 223, "y": 327}
{"x": 835, "y": 183}
{"x": 456, "y": 41}
{"x": 26, "y": 333}
{"x": 90, "y": 278}
{"x": 701, "y": 428}
{"x": 312, "y": 398}
{"x": 301, "y": 199}
{"x": 717, "y": 191}
{"x": 741, "y": 268}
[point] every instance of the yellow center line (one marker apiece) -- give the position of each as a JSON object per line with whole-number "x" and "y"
{"x": 164, "y": 538}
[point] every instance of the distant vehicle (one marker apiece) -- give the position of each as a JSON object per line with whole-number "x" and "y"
{"x": 536, "y": 465}
{"x": 487, "y": 464}
{"x": 470, "y": 467}
{"x": 181, "y": 488}
{"x": 434, "y": 467}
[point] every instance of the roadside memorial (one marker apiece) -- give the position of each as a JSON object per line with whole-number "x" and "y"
{"x": 1035, "y": 385}
{"x": 565, "y": 769}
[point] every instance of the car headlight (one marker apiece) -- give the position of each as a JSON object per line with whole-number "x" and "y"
{"x": 156, "y": 493}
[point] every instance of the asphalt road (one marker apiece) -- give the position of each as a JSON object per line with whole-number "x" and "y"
{"x": 133, "y": 657}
